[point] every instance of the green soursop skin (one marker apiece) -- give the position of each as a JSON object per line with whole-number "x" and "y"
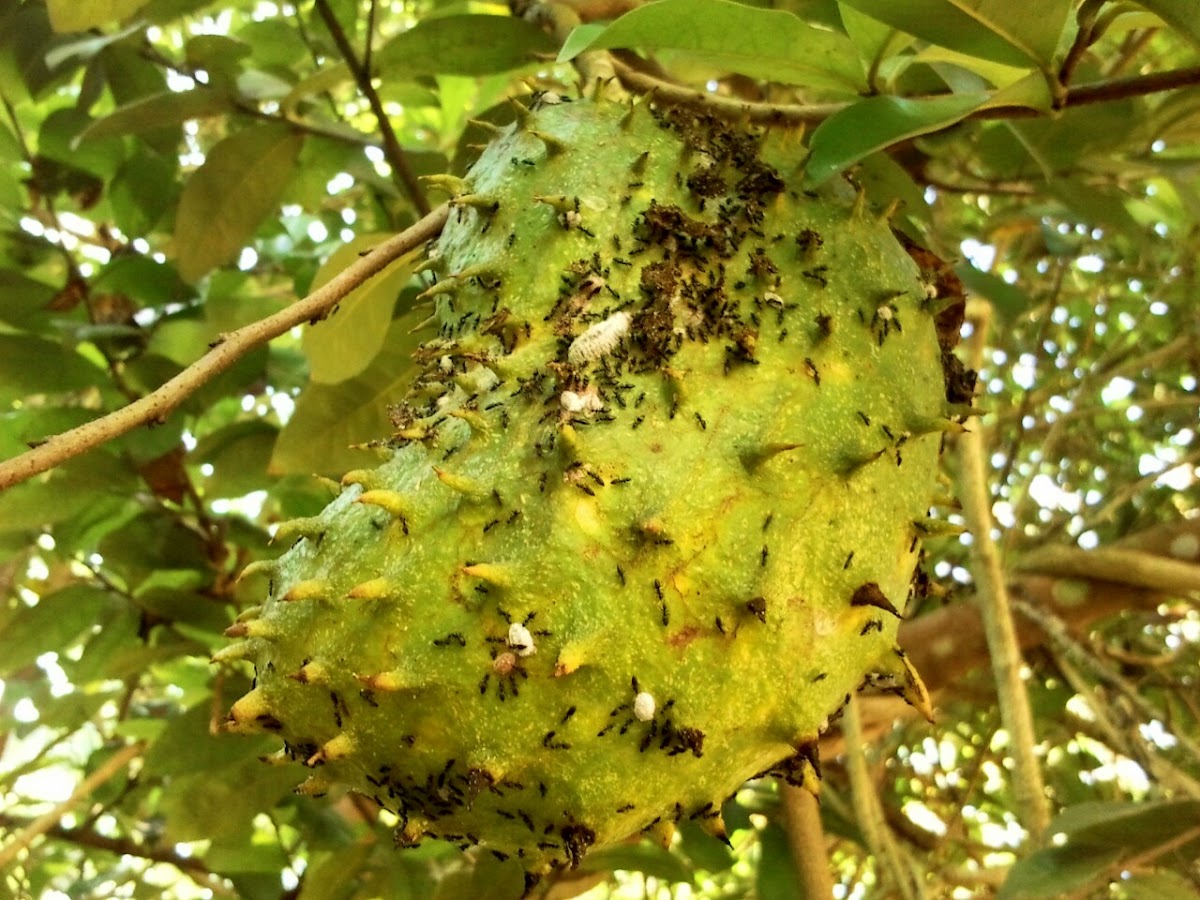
{"x": 653, "y": 506}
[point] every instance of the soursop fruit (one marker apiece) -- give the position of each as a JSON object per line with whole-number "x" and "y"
{"x": 653, "y": 505}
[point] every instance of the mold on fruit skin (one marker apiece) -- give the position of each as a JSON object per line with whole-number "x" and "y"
{"x": 652, "y": 509}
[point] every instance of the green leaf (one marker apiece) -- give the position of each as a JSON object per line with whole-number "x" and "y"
{"x": 239, "y": 454}
{"x": 1126, "y": 826}
{"x": 1056, "y": 871}
{"x": 54, "y": 624}
{"x": 1009, "y": 300}
{"x": 1014, "y": 32}
{"x": 201, "y": 805}
{"x": 776, "y": 876}
{"x": 1182, "y": 15}
{"x": 878, "y": 122}
{"x": 463, "y": 45}
{"x": 142, "y": 191}
{"x": 771, "y": 44}
{"x": 1155, "y": 885}
{"x": 328, "y": 419}
{"x": 326, "y": 876}
{"x": 1098, "y": 836}
{"x": 160, "y": 111}
{"x": 343, "y": 344}
{"x": 80, "y": 15}
{"x": 228, "y": 197}
{"x": 30, "y": 365}
{"x": 486, "y": 879}
{"x": 25, "y": 299}
{"x": 187, "y": 745}
{"x": 646, "y": 857}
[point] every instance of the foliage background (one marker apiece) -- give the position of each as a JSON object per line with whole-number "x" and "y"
{"x": 172, "y": 170}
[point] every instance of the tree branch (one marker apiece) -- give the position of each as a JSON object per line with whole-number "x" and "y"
{"x": 1112, "y": 564}
{"x": 155, "y": 406}
{"x": 85, "y": 837}
{"x": 1005, "y": 652}
{"x": 362, "y": 77}
{"x": 889, "y": 867}
{"x": 806, "y": 840}
{"x": 751, "y": 110}
{"x": 946, "y": 645}
{"x": 112, "y": 767}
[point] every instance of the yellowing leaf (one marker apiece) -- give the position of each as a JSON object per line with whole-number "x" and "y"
{"x": 329, "y": 418}
{"x": 344, "y": 344}
{"x": 228, "y": 197}
{"x": 80, "y": 15}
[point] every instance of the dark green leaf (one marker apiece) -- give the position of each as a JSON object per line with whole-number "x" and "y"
{"x": 1126, "y": 826}
{"x": 1007, "y": 299}
{"x": 462, "y": 45}
{"x": 238, "y": 454}
{"x": 54, "y": 624}
{"x": 24, "y": 299}
{"x": 762, "y": 43}
{"x": 228, "y": 197}
{"x": 1056, "y": 871}
{"x": 878, "y": 122}
{"x": 142, "y": 191}
{"x": 1015, "y": 32}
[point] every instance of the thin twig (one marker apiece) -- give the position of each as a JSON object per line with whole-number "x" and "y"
{"x": 880, "y": 841}
{"x": 85, "y": 837}
{"x": 112, "y": 767}
{"x": 996, "y": 613}
{"x": 815, "y": 113}
{"x": 751, "y": 110}
{"x": 407, "y": 181}
{"x": 157, "y": 405}
{"x": 806, "y": 840}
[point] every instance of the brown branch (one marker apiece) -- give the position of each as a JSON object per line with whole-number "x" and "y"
{"x": 806, "y": 840}
{"x": 157, "y": 405}
{"x": 407, "y": 180}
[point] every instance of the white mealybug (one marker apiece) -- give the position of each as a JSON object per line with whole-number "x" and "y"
{"x": 520, "y": 640}
{"x": 643, "y": 707}
{"x": 885, "y": 312}
{"x": 600, "y": 339}
{"x": 588, "y": 401}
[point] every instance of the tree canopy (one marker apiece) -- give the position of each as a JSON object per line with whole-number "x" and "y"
{"x": 176, "y": 174}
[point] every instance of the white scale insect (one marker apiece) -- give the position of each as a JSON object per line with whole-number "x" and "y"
{"x": 644, "y": 707}
{"x": 600, "y": 339}
{"x": 520, "y": 640}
